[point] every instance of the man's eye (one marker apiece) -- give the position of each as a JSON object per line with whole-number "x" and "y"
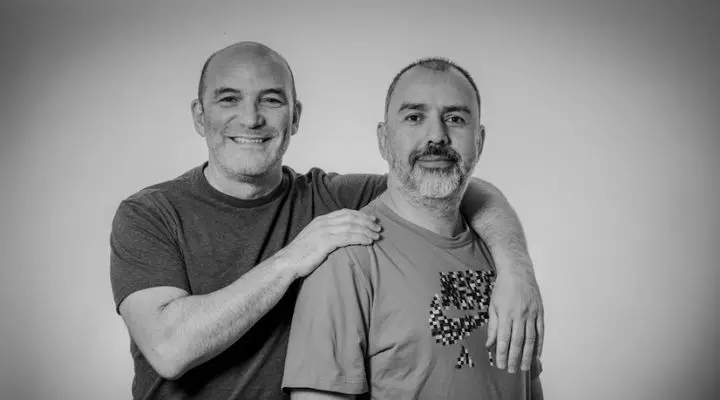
{"x": 229, "y": 100}
{"x": 414, "y": 118}
{"x": 455, "y": 119}
{"x": 272, "y": 101}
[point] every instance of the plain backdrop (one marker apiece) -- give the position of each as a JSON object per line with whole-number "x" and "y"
{"x": 602, "y": 130}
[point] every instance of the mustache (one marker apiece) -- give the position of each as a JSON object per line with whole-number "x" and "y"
{"x": 435, "y": 150}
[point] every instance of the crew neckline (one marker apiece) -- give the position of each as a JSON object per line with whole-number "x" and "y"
{"x": 205, "y": 186}
{"x": 463, "y": 238}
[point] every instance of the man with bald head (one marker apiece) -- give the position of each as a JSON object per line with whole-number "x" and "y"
{"x": 205, "y": 267}
{"x": 404, "y": 317}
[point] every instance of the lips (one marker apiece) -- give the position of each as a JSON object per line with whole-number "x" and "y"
{"x": 436, "y": 158}
{"x": 433, "y": 161}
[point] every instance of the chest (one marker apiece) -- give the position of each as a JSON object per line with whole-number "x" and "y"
{"x": 430, "y": 307}
{"x": 219, "y": 246}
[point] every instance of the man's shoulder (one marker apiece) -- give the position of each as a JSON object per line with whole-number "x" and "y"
{"x": 353, "y": 259}
{"x": 331, "y": 179}
{"x": 314, "y": 177}
{"x": 166, "y": 192}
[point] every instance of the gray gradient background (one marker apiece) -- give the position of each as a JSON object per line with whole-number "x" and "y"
{"x": 602, "y": 125}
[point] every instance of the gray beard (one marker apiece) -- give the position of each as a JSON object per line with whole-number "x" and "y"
{"x": 440, "y": 190}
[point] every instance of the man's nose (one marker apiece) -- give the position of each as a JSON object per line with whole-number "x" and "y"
{"x": 437, "y": 131}
{"x": 249, "y": 115}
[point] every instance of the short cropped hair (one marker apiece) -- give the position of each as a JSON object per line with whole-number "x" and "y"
{"x": 434, "y": 64}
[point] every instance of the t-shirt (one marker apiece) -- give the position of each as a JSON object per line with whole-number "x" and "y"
{"x": 403, "y": 318}
{"x": 186, "y": 234}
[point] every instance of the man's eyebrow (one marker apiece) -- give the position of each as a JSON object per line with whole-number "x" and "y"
{"x": 278, "y": 91}
{"x": 224, "y": 90}
{"x": 412, "y": 106}
{"x": 458, "y": 108}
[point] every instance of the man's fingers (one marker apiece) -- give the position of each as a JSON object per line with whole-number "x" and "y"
{"x": 347, "y": 215}
{"x": 350, "y": 238}
{"x": 540, "y": 333}
{"x": 492, "y": 328}
{"x": 340, "y": 233}
{"x": 516, "y": 344}
{"x": 503, "y": 341}
{"x": 529, "y": 348}
{"x": 358, "y": 220}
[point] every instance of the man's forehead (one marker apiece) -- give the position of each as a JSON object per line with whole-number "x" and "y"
{"x": 242, "y": 67}
{"x": 425, "y": 86}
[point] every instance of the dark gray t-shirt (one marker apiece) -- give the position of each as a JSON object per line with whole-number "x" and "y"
{"x": 403, "y": 318}
{"x": 186, "y": 234}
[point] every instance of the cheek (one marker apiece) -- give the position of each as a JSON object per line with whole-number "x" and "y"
{"x": 278, "y": 119}
{"x": 403, "y": 142}
{"x": 216, "y": 123}
{"x": 467, "y": 144}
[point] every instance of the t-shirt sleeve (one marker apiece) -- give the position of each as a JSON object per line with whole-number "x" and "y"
{"x": 143, "y": 252}
{"x": 354, "y": 191}
{"x": 327, "y": 344}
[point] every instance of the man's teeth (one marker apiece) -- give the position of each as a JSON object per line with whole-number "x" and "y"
{"x": 245, "y": 140}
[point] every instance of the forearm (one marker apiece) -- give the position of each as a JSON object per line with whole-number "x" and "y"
{"x": 198, "y": 328}
{"x": 497, "y": 223}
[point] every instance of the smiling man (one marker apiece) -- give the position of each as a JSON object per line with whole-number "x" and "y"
{"x": 404, "y": 317}
{"x": 204, "y": 267}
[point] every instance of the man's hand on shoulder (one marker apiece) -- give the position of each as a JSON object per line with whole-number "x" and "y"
{"x": 516, "y": 324}
{"x": 325, "y": 234}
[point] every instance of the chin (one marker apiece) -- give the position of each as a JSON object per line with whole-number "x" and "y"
{"x": 438, "y": 192}
{"x": 438, "y": 185}
{"x": 251, "y": 166}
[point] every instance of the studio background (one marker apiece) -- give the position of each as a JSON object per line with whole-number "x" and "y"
{"x": 602, "y": 130}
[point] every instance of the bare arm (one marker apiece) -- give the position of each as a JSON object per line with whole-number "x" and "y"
{"x": 309, "y": 394}
{"x": 177, "y": 331}
{"x": 494, "y": 219}
{"x": 516, "y": 322}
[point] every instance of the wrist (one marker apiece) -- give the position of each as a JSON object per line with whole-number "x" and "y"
{"x": 514, "y": 263}
{"x": 284, "y": 265}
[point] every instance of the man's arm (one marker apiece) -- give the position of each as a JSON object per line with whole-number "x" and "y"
{"x": 177, "y": 331}
{"x": 516, "y": 309}
{"x": 327, "y": 349}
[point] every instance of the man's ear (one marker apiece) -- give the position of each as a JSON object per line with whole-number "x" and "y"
{"x": 296, "y": 117}
{"x": 196, "y": 109}
{"x": 382, "y": 139}
{"x": 480, "y": 139}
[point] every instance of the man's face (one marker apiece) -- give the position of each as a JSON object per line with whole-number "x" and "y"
{"x": 247, "y": 114}
{"x": 432, "y": 136}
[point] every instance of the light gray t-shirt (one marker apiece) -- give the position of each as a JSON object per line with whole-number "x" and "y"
{"x": 403, "y": 318}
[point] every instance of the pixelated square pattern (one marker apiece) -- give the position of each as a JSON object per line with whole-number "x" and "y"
{"x": 467, "y": 290}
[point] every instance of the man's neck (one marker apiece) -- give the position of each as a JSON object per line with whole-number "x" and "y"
{"x": 440, "y": 216}
{"x": 245, "y": 188}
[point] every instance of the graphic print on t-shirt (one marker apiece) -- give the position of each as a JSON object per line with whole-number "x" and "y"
{"x": 467, "y": 290}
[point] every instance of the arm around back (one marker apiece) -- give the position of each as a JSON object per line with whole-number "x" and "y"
{"x": 516, "y": 322}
